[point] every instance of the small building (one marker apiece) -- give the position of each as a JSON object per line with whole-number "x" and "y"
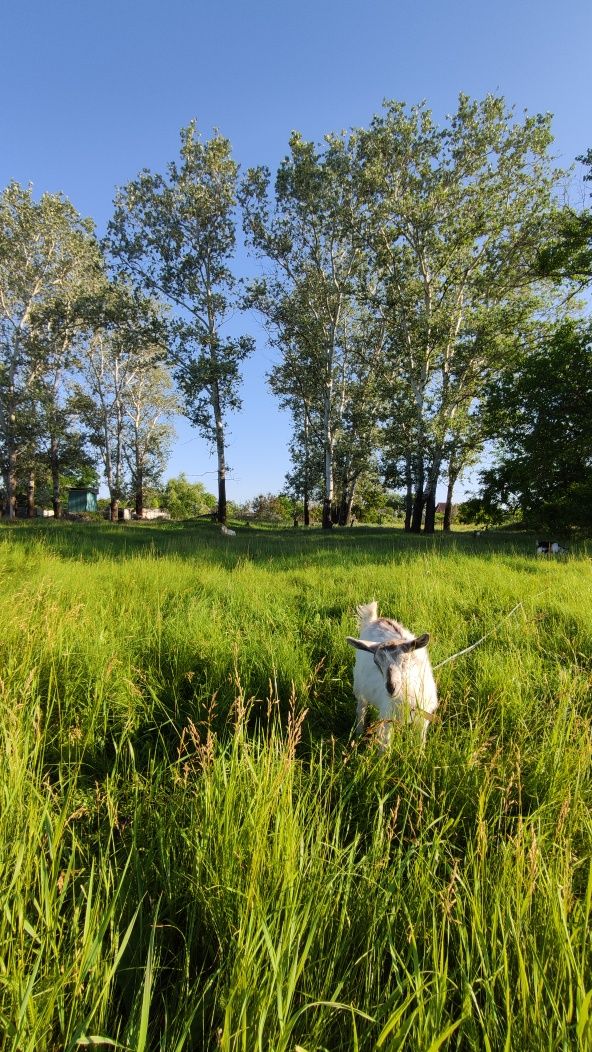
{"x": 81, "y": 499}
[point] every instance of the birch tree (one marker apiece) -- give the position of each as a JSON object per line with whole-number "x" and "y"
{"x": 174, "y": 234}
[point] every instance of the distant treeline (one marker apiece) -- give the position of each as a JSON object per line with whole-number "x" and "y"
{"x": 417, "y": 281}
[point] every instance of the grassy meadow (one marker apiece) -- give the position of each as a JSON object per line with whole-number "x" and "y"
{"x": 194, "y": 852}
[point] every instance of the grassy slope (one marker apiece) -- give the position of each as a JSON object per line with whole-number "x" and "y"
{"x": 189, "y": 861}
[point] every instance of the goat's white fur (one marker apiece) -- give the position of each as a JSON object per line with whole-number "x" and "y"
{"x": 227, "y": 533}
{"x": 392, "y": 673}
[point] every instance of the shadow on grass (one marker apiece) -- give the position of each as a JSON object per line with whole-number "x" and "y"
{"x": 91, "y": 542}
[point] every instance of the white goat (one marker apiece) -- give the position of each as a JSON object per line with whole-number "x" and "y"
{"x": 392, "y": 673}
{"x": 227, "y": 533}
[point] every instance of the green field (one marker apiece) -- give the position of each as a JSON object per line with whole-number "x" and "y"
{"x": 195, "y": 853}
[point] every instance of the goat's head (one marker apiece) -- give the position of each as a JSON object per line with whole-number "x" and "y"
{"x": 389, "y": 658}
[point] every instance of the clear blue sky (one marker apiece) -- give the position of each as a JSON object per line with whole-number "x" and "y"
{"x": 94, "y": 91}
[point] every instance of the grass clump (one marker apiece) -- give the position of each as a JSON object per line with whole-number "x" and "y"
{"x": 195, "y": 854}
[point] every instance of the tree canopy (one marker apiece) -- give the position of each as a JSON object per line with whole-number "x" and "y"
{"x": 541, "y": 416}
{"x": 174, "y": 235}
{"x": 418, "y": 282}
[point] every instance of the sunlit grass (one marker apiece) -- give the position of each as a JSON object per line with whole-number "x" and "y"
{"x": 194, "y": 853}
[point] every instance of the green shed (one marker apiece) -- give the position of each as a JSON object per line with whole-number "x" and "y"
{"x": 81, "y": 499}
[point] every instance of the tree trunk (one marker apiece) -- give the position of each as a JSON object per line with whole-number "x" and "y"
{"x": 418, "y": 500}
{"x": 139, "y": 501}
{"x": 139, "y": 488}
{"x": 221, "y": 454}
{"x": 222, "y": 503}
{"x": 305, "y": 486}
{"x": 430, "y": 512}
{"x": 114, "y": 509}
{"x": 328, "y": 494}
{"x": 448, "y": 509}
{"x": 31, "y": 496}
{"x": 328, "y": 461}
{"x": 418, "y": 508}
{"x": 11, "y": 484}
{"x": 350, "y": 504}
{"x": 346, "y": 503}
{"x": 342, "y": 515}
{"x": 327, "y": 517}
{"x": 55, "y": 478}
{"x": 430, "y": 506}
{"x": 408, "y": 495}
{"x": 10, "y": 443}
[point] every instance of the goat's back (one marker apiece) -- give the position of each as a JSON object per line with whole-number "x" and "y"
{"x": 379, "y": 629}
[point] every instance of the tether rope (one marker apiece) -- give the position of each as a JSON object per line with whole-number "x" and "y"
{"x": 492, "y": 632}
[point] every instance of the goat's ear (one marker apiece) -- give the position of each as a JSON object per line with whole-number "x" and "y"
{"x": 362, "y": 644}
{"x": 419, "y": 642}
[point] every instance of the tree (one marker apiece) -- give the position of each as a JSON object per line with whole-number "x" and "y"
{"x": 308, "y": 229}
{"x": 149, "y": 401}
{"x": 567, "y": 257}
{"x": 174, "y": 234}
{"x": 456, "y": 217}
{"x": 541, "y": 413}
{"x": 122, "y": 391}
{"x": 463, "y": 449}
{"x": 47, "y": 253}
{"x": 186, "y": 500}
{"x": 305, "y": 480}
{"x": 482, "y": 512}
{"x": 273, "y": 507}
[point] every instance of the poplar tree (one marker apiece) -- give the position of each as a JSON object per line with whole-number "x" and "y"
{"x": 456, "y": 216}
{"x": 122, "y": 391}
{"x": 149, "y": 404}
{"x": 306, "y": 229}
{"x": 48, "y": 254}
{"x": 174, "y": 234}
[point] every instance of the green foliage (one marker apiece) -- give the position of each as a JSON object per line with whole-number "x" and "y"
{"x": 174, "y": 235}
{"x": 48, "y": 258}
{"x": 567, "y": 257}
{"x": 309, "y": 228}
{"x": 542, "y": 412}
{"x": 375, "y": 503}
{"x": 186, "y": 500}
{"x": 480, "y": 511}
{"x": 403, "y": 265}
{"x": 195, "y": 854}
{"x": 273, "y": 507}
{"x": 457, "y": 213}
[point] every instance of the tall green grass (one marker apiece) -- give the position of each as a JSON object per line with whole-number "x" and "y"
{"x": 195, "y": 853}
